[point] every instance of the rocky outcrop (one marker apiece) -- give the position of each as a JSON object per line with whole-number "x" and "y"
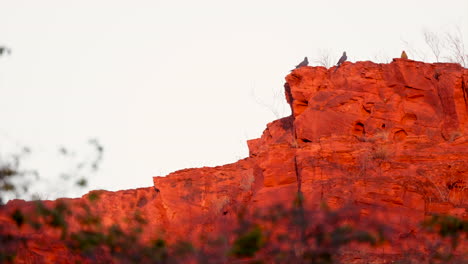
{"x": 390, "y": 139}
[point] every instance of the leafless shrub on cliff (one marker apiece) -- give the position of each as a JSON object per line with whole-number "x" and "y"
{"x": 445, "y": 46}
{"x": 381, "y": 153}
{"x": 456, "y": 47}
{"x": 324, "y": 58}
{"x": 435, "y": 43}
{"x": 277, "y": 106}
{"x": 442, "y": 191}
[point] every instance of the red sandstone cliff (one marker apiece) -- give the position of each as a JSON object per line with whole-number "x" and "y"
{"x": 390, "y": 139}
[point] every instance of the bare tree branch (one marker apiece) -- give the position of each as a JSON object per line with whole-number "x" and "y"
{"x": 456, "y": 47}
{"x": 324, "y": 58}
{"x": 276, "y": 107}
{"x": 435, "y": 43}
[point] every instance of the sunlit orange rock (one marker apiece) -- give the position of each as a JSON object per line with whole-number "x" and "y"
{"x": 390, "y": 139}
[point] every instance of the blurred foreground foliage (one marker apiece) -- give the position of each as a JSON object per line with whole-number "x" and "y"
{"x": 275, "y": 235}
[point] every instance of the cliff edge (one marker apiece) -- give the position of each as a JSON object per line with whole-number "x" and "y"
{"x": 388, "y": 139}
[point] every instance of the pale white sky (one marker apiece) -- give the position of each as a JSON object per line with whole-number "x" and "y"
{"x": 167, "y": 85}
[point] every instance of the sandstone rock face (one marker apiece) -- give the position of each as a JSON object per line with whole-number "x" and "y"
{"x": 392, "y": 135}
{"x": 390, "y": 139}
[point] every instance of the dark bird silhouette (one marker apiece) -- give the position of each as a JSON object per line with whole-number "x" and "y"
{"x": 303, "y": 63}
{"x": 4, "y": 50}
{"x": 403, "y": 55}
{"x": 342, "y": 59}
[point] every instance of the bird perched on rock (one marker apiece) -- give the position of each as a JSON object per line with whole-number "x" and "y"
{"x": 5, "y": 50}
{"x": 305, "y": 62}
{"x": 404, "y": 56}
{"x": 342, "y": 59}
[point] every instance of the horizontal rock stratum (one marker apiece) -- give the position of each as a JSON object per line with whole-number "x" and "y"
{"x": 388, "y": 139}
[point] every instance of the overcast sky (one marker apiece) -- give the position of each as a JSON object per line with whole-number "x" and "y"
{"x": 167, "y": 85}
